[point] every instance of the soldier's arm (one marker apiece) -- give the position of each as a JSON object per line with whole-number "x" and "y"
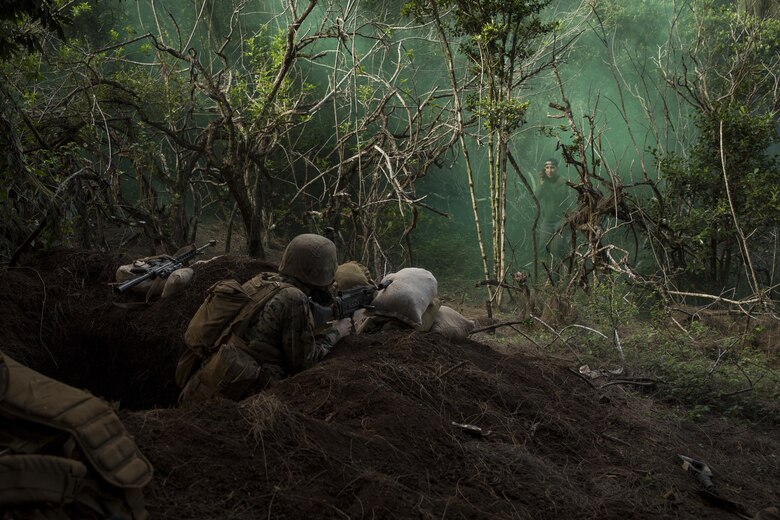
{"x": 300, "y": 345}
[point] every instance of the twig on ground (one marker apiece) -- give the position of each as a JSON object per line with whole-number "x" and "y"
{"x": 441, "y": 376}
{"x": 586, "y": 328}
{"x": 507, "y": 324}
{"x": 637, "y": 382}
{"x": 495, "y": 326}
{"x": 732, "y": 394}
{"x": 579, "y": 360}
{"x": 615, "y": 439}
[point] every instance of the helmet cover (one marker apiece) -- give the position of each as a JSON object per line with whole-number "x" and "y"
{"x": 311, "y": 259}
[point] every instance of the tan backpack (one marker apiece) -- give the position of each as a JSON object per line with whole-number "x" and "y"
{"x": 223, "y": 318}
{"x": 65, "y": 451}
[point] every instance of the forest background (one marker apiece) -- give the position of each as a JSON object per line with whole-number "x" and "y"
{"x": 417, "y": 131}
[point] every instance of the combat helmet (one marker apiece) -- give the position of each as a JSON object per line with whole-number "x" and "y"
{"x": 311, "y": 259}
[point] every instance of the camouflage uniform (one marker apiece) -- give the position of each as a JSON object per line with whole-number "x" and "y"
{"x": 282, "y": 338}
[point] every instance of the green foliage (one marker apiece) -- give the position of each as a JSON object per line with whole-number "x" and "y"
{"x": 612, "y": 302}
{"x": 746, "y": 46}
{"x": 80, "y": 9}
{"x": 706, "y": 372}
{"x": 722, "y": 76}
{"x": 25, "y": 23}
{"x": 498, "y": 35}
{"x": 504, "y": 116}
{"x": 701, "y": 371}
{"x": 696, "y": 185}
{"x": 264, "y": 56}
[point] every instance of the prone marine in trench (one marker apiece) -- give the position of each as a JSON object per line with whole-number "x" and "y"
{"x": 245, "y": 338}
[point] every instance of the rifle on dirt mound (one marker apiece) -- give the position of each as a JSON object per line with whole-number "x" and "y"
{"x": 345, "y": 303}
{"x": 163, "y": 270}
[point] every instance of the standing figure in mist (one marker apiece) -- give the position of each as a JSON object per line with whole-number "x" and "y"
{"x": 554, "y": 201}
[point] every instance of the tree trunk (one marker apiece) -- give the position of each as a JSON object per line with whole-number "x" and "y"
{"x": 254, "y": 233}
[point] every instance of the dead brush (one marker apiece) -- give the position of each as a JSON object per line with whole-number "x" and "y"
{"x": 263, "y": 413}
{"x": 271, "y": 424}
{"x": 412, "y": 381}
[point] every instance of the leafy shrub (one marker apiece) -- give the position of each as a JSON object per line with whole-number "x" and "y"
{"x": 710, "y": 373}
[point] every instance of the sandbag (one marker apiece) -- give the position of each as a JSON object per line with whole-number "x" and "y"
{"x": 452, "y": 324}
{"x": 151, "y": 288}
{"x": 179, "y": 280}
{"x": 365, "y": 321}
{"x": 429, "y": 316}
{"x": 351, "y": 274}
{"x": 409, "y": 294}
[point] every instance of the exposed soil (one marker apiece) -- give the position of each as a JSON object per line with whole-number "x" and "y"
{"x": 369, "y": 432}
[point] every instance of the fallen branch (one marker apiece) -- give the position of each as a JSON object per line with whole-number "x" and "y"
{"x": 586, "y": 328}
{"x": 636, "y": 382}
{"x": 615, "y": 439}
{"x": 732, "y": 394}
{"x": 508, "y": 324}
{"x": 738, "y": 303}
{"x": 441, "y": 376}
{"x": 496, "y": 325}
{"x": 559, "y": 337}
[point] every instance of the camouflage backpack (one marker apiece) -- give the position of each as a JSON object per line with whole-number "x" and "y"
{"x": 223, "y": 318}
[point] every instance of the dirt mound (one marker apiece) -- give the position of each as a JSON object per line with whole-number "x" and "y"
{"x": 369, "y": 433}
{"x": 393, "y": 425}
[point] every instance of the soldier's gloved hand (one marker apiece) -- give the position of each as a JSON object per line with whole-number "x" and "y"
{"x": 344, "y": 326}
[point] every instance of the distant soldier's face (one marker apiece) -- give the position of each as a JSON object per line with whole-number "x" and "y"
{"x": 550, "y": 169}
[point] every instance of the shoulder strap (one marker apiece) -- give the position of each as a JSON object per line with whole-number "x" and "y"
{"x": 260, "y": 293}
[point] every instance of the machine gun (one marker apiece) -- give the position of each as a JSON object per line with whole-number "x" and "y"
{"x": 345, "y": 303}
{"x": 163, "y": 269}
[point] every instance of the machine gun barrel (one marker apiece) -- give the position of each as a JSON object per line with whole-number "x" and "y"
{"x": 345, "y": 303}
